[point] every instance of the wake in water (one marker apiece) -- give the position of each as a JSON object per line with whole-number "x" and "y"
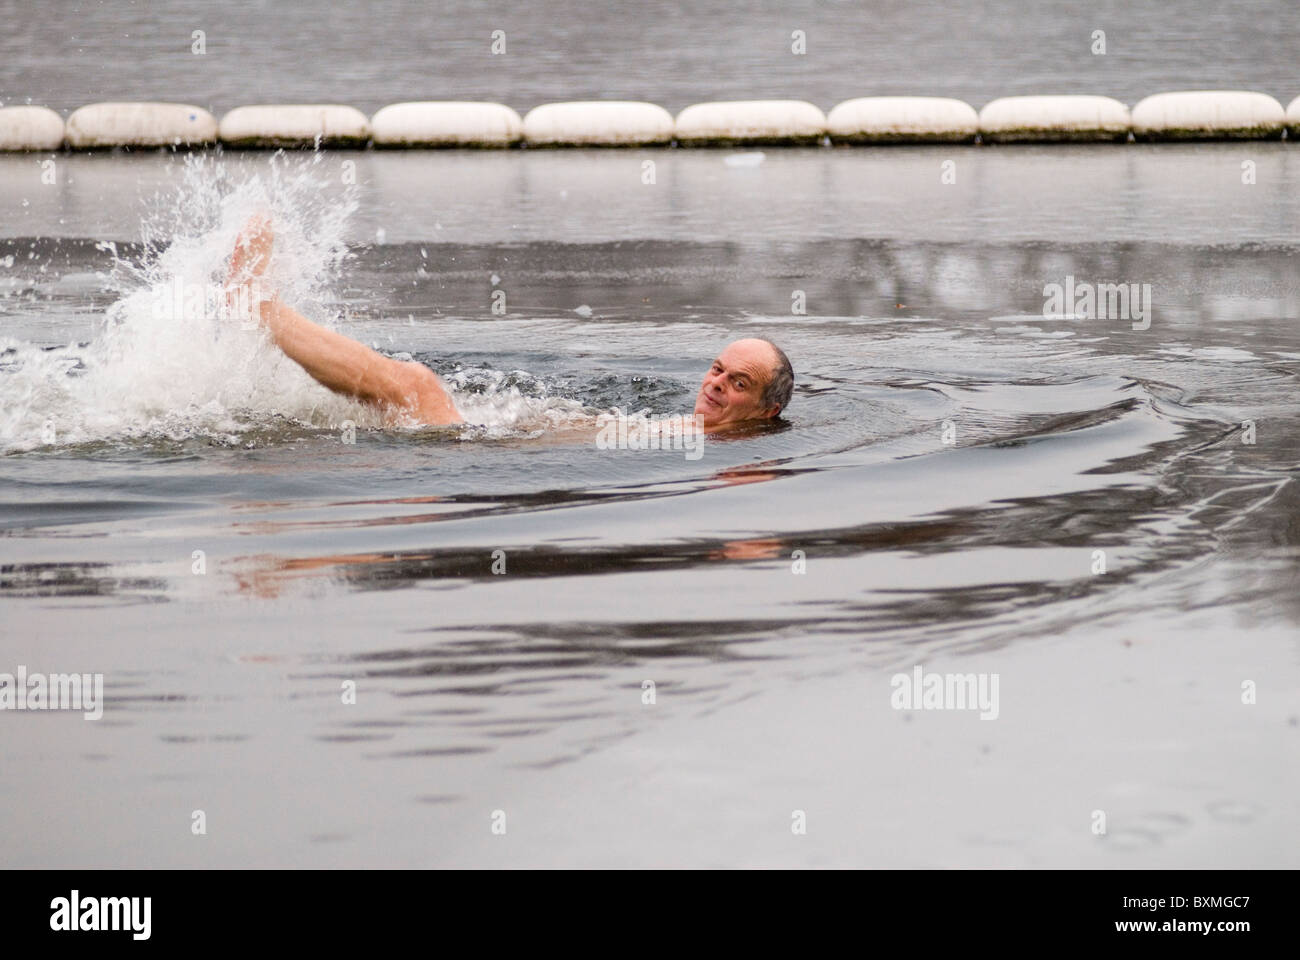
{"x": 167, "y": 361}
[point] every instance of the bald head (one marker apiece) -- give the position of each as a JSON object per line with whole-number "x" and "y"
{"x": 750, "y": 380}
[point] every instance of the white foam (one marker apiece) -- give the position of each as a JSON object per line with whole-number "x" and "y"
{"x": 1230, "y": 354}
{"x": 493, "y": 400}
{"x": 153, "y": 370}
{"x": 159, "y": 366}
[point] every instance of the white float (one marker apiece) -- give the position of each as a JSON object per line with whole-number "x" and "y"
{"x": 757, "y": 122}
{"x": 30, "y": 128}
{"x": 597, "y": 123}
{"x": 1208, "y": 115}
{"x": 903, "y": 120}
{"x": 294, "y": 125}
{"x": 446, "y": 123}
{"x": 140, "y": 125}
{"x": 1293, "y": 116}
{"x": 1053, "y": 119}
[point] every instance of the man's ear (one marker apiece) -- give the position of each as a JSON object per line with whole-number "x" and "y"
{"x": 772, "y": 411}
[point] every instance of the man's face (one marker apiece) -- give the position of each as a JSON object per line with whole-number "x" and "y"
{"x": 732, "y": 390}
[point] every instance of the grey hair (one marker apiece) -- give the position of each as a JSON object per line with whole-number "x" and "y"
{"x": 780, "y": 384}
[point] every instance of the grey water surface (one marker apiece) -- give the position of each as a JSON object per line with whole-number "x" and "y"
{"x": 1102, "y": 513}
{"x": 670, "y": 52}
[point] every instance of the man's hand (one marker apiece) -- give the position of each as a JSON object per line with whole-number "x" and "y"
{"x": 245, "y": 282}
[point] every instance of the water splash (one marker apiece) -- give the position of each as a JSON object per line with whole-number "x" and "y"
{"x": 513, "y": 403}
{"x": 163, "y": 361}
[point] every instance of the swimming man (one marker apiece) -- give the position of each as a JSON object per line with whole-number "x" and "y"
{"x": 750, "y": 380}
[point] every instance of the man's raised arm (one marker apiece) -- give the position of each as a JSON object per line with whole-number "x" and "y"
{"x": 405, "y": 390}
